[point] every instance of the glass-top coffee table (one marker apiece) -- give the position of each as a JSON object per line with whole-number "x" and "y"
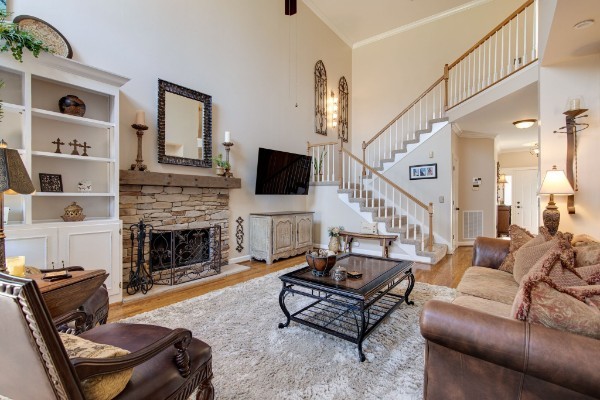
{"x": 353, "y": 308}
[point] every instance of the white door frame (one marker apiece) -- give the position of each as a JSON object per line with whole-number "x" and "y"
{"x": 509, "y": 170}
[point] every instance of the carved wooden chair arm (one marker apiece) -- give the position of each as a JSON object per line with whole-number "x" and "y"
{"x": 180, "y": 338}
{"x": 79, "y": 317}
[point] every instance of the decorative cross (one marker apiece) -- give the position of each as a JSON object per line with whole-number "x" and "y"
{"x": 58, "y": 143}
{"x": 85, "y": 147}
{"x": 75, "y": 144}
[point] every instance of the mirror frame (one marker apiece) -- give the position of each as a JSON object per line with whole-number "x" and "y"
{"x": 206, "y": 161}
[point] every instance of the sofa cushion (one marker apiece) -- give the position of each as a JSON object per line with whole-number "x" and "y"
{"x": 541, "y": 301}
{"x": 102, "y": 387}
{"x": 586, "y": 253}
{"x": 484, "y": 305}
{"x": 518, "y": 237}
{"x": 491, "y": 284}
{"x": 529, "y": 254}
{"x": 590, "y": 274}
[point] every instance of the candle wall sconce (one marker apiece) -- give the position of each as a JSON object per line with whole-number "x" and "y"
{"x": 571, "y": 128}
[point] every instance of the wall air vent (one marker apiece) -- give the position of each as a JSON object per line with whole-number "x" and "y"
{"x": 472, "y": 224}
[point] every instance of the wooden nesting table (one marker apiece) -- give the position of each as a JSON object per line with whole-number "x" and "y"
{"x": 65, "y": 295}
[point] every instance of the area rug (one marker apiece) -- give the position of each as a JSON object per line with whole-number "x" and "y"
{"x": 253, "y": 359}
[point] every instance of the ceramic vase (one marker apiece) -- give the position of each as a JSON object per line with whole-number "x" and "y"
{"x": 334, "y": 244}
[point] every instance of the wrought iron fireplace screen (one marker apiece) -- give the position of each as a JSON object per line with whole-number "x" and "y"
{"x": 182, "y": 255}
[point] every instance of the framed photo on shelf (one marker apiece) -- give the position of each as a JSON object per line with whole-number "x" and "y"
{"x": 423, "y": 171}
{"x": 51, "y": 182}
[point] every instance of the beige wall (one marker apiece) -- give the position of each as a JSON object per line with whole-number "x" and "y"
{"x": 389, "y": 74}
{"x": 477, "y": 161}
{"x": 579, "y": 78}
{"x": 517, "y": 159}
{"x": 242, "y": 53}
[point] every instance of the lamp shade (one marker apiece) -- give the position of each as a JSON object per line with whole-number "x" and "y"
{"x": 502, "y": 179}
{"x": 556, "y": 182}
{"x": 13, "y": 175}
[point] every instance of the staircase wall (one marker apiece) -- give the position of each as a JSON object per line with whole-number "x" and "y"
{"x": 430, "y": 190}
{"x": 389, "y": 74}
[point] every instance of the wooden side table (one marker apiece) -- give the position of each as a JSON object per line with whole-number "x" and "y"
{"x": 67, "y": 295}
{"x": 385, "y": 241}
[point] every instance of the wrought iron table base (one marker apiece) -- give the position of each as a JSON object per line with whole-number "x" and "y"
{"x": 345, "y": 317}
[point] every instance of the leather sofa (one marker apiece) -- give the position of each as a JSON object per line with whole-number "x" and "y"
{"x": 474, "y": 354}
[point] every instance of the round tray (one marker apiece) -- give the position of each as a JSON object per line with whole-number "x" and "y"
{"x": 48, "y": 34}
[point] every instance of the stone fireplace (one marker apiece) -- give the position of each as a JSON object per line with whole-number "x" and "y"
{"x": 174, "y": 203}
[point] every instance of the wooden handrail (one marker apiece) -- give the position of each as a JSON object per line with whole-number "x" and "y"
{"x": 429, "y": 89}
{"x": 320, "y": 144}
{"x": 392, "y": 184}
{"x": 492, "y": 32}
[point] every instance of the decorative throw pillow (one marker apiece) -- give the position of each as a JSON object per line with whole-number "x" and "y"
{"x": 541, "y": 301}
{"x": 587, "y": 253}
{"x": 518, "y": 237}
{"x": 557, "y": 263}
{"x": 528, "y": 254}
{"x": 590, "y": 274}
{"x": 102, "y": 387}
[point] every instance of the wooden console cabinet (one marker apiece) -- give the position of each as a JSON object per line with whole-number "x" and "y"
{"x": 278, "y": 235}
{"x": 503, "y": 220}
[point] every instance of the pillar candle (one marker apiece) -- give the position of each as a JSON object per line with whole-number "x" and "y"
{"x": 140, "y": 117}
{"x": 227, "y": 136}
{"x": 16, "y": 265}
{"x": 575, "y": 104}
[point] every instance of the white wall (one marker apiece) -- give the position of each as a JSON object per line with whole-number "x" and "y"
{"x": 517, "y": 159}
{"x": 558, "y": 83}
{"x": 431, "y": 190}
{"x": 242, "y": 53}
{"x": 477, "y": 161}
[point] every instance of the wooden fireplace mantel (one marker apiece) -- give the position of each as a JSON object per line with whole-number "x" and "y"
{"x": 168, "y": 179}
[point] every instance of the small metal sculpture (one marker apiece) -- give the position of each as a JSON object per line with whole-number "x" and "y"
{"x": 58, "y": 143}
{"x": 75, "y": 143}
{"x": 85, "y": 147}
{"x": 139, "y": 277}
{"x": 239, "y": 234}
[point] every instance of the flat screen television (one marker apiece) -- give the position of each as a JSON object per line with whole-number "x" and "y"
{"x": 279, "y": 172}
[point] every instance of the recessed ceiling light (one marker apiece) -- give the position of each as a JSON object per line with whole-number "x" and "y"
{"x": 584, "y": 24}
{"x": 524, "y": 123}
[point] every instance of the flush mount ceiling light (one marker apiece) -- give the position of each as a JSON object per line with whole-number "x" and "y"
{"x": 524, "y": 123}
{"x": 584, "y": 24}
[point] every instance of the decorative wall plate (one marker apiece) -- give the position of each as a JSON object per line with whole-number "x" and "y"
{"x": 48, "y": 34}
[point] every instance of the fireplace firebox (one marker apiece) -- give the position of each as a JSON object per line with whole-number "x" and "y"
{"x": 182, "y": 255}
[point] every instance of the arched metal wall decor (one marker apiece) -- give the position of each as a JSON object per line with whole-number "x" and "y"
{"x": 343, "y": 112}
{"x": 320, "y": 98}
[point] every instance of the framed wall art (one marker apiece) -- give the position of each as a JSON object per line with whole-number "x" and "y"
{"x": 51, "y": 182}
{"x": 423, "y": 171}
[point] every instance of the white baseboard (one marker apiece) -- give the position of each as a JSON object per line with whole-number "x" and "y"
{"x": 468, "y": 243}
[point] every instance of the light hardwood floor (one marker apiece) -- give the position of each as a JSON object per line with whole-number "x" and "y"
{"x": 447, "y": 272}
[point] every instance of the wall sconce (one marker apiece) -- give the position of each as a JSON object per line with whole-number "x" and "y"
{"x": 334, "y": 110}
{"x": 524, "y": 123}
{"x": 555, "y": 183}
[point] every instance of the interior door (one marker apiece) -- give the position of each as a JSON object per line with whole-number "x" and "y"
{"x": 524, "y": 199}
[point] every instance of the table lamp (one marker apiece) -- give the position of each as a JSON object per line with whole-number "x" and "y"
{"x": 14, "y": 179}
{"x": 555, "y": 183}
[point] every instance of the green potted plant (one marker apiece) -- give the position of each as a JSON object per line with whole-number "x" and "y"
{"x": 318, "y": 165}
{"x": 222, "y": 166}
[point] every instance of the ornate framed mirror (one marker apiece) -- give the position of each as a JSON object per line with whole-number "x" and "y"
{"x": 184, "y": 126}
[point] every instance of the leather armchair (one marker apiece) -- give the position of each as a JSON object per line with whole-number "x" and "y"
{"x": 167, "y": 363}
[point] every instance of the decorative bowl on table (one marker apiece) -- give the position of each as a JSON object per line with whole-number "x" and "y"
{"x": 321, "y": 261}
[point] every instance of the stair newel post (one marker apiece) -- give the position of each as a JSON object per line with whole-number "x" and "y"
{"x": 364, "y": 151}
{"x": 430, "y": 239}
{"x": 341, "y": 164}
{"x": 446, "y": 77}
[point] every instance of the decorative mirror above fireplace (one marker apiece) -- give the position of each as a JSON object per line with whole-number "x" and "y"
{"x": 184, "y": 126}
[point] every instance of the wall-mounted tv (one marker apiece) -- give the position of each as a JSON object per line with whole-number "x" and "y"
{"x": 279, "y": 172}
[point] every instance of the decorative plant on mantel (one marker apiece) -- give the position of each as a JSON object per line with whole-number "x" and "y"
{"x": 13, "y": 39}
{"x": 222, "y": 165}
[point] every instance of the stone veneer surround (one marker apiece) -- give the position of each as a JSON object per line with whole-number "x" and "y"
{"x": 173, "y": 201}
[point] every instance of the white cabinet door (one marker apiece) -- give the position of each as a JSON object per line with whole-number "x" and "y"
{"x": 304, "y": 225}
{"x": 38, "y": 245}
{"x": 94, "y": 247}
